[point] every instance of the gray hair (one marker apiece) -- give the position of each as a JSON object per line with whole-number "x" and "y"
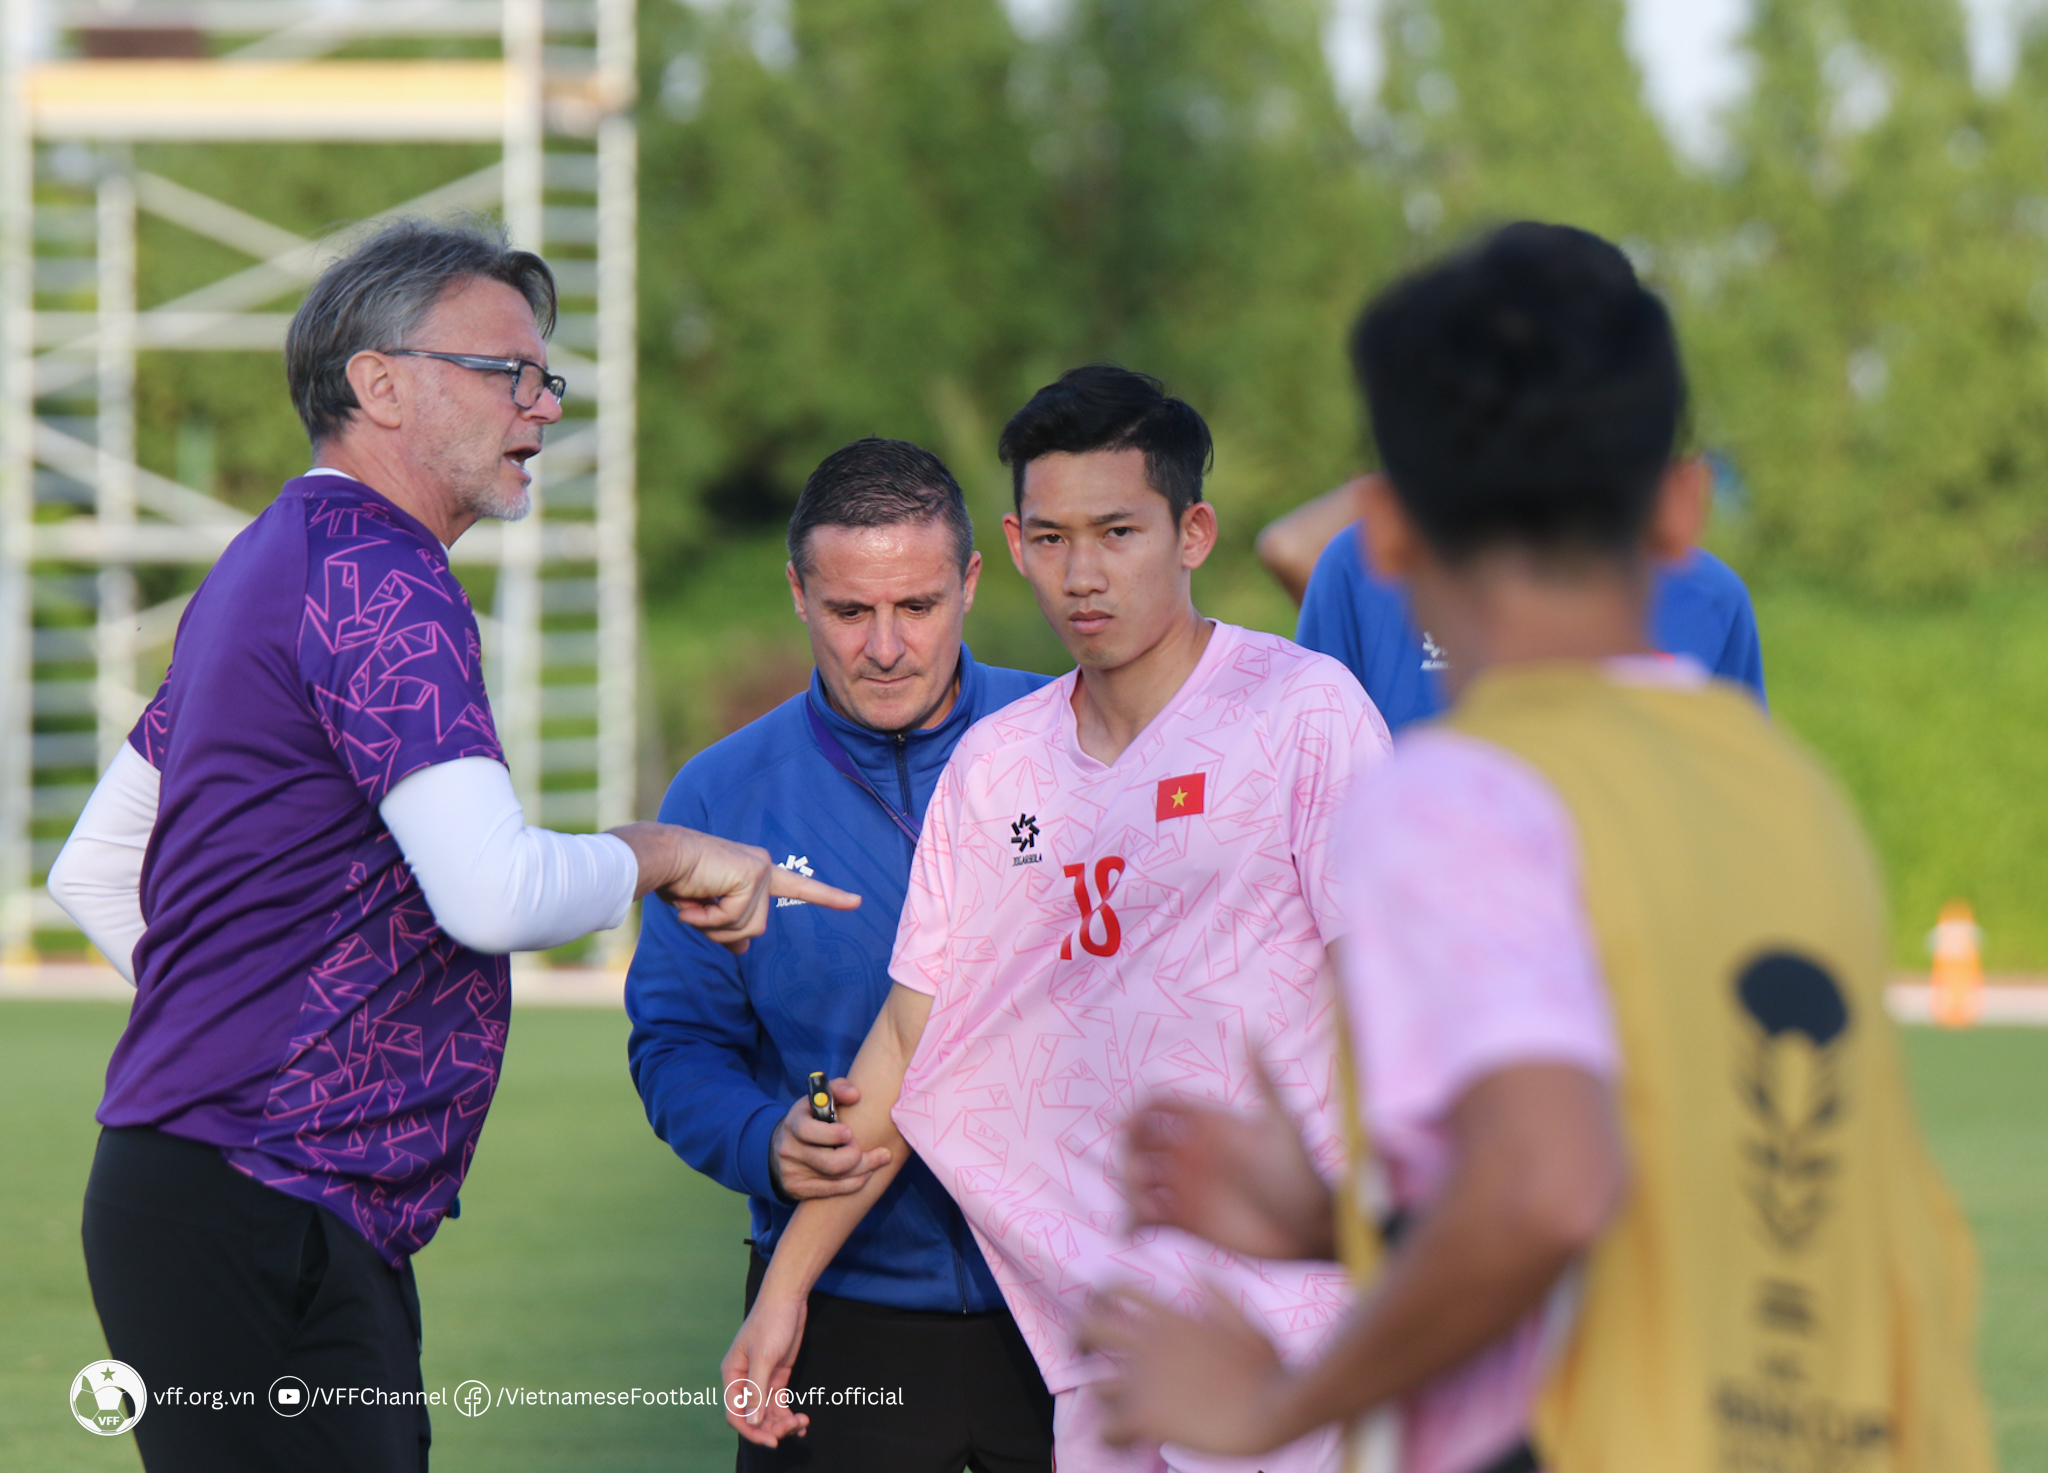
{"x": 373, "y": 298}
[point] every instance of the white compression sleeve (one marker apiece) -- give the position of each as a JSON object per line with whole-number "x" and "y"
{"x": 493, "y": 883}
{"x": 97, "y": 878}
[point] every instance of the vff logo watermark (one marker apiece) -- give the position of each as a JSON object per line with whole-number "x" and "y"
{"x": 108, "y": 1398}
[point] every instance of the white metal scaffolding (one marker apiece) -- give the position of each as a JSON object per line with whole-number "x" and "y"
{"x": 79, "y": 515}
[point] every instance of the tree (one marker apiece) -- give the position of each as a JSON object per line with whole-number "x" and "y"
{"x": 1229, "y": 224}
{"x": 1533, "y": 111}
{"x": 844, "y": 219}
{"x": 1860, "y": 321}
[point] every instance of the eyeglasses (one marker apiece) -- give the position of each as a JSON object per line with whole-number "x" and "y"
{"x": 528, "y": 379}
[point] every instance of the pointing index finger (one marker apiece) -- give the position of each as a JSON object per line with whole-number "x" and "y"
{"x": 817, "y": 892}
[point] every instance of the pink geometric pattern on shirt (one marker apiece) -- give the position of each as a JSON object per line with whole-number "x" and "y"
{"x": 378, "y": 1101}
{"x": 390, "y": 641}
{"x": 152, "y": 734}
{"x": 1471, "y": 951}
{"x": 1030, "y": 1064}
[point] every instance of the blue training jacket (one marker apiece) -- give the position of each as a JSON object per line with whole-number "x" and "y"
{"x": 722, "y": 1044}
{"x": 1698, "y": 608}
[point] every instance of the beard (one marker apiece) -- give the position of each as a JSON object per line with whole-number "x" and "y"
{"x": 489, "y": 500}
{"x": 473, "y": 473}
{"x": 466, "y": 454}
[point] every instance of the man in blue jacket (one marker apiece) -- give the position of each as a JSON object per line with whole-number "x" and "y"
{"x": 911, "y": 1363}
{"x": 1699, "y": 607}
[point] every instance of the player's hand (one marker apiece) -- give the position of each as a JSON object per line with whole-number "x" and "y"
{"x": 817, "y": 1158}
{"x": 757, "y": 1368}
{"x": 721, "y": 888}
{"x": 1242, "y": 1182}
{"x": 1213, "y": 1384}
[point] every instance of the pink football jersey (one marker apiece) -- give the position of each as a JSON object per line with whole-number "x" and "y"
{"x": 1096, "y": 935}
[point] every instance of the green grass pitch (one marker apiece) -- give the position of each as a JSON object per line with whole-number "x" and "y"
{"x": 588, "y": 1258}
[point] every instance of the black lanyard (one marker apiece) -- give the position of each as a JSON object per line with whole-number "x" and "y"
{"x": 840, "y": 758}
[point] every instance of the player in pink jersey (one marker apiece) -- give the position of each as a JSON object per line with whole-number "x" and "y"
{"x": 1538, "y": 391}
{"x": 1123, "y": 888}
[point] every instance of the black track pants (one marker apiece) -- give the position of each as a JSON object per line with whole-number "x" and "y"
{"x": 207, "y": 1282}
{"x": 972, "y": 1396}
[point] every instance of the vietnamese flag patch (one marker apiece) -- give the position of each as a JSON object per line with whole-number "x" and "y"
{"x": 1179, "y": 797}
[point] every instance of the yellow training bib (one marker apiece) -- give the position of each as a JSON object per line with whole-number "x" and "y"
{"x": 1790, "y": 1288}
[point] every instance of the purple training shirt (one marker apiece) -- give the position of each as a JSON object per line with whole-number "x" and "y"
{"x": 296, "y": 1004}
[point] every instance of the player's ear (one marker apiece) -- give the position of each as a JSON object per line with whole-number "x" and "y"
{"x": 1392, "y": 540}
{"x": 376, "y": 389}
{"x": 1013, "y": 533}
{"x": 1197, "y": 535}
{"x": 969, "y": 581}
{"x": 796, "y": 591}
{"x": 1680, "y": 516}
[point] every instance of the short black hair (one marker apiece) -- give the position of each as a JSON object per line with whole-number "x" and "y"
{"x": 375, "y": 296}
{"x": 879, "y": 483}
{"x": 1104, "y": 407}
{"x": 1524, "y": 391}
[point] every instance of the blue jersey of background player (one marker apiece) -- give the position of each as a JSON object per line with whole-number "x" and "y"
{"x": 1699, "y": 608}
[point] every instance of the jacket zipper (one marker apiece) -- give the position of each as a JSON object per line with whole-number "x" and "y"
{"x": 956, "y": 1223}
{"x": 903, "y": 769}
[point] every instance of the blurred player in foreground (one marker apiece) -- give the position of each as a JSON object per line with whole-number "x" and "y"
{"x": 1698, "y": 607}
{"x": 883, "y": 570}
{"x": 1615, "y": 973}
{"x": 1123, "y": 885}
{"x": 310, "y": 861}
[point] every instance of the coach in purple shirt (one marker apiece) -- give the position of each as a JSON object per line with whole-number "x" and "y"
{"x": 310, "y": 861}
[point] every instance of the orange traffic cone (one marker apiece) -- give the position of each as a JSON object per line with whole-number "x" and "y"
{"x": 1958, "y": 977}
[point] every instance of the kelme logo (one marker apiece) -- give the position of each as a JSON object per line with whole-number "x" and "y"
{"x": 108, "y": 1398}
